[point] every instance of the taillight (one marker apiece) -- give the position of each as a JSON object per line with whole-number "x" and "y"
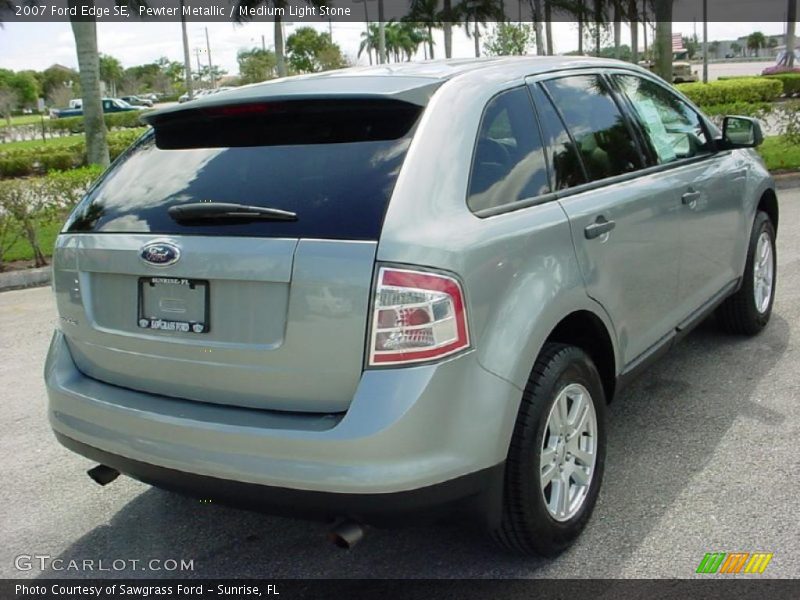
{"x": 418, "y": 316}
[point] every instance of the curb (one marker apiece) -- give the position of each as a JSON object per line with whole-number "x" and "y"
{"x": 15, "y": 280}
{"x": 785, "y": 181}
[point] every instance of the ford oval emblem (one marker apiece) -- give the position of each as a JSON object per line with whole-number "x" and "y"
{"x": 160, "y": 254}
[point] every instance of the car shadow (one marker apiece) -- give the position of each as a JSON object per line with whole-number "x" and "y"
{"x": 662, "y": 432}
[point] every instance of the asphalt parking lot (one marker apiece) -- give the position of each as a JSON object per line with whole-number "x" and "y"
{"x": 703, "y": 456}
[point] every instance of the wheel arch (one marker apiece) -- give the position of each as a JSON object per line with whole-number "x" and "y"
{"x": 769, "y": 204}
{"x": 587, "y": 331}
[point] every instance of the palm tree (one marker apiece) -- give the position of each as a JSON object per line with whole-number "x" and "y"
{"x": 633, "y": 21}
{"x": 663, "y": 41}
{"x": 475, "y": 14}
{"x": 756, "y": 41}
{"x": 369, "y": 41}
{"x": 426, "y": 11}
{"x": 448, "y": 16}
{"x": 791, "y": 18}
{"x": 85, "y": 32}
{"x": 111, "y": 72}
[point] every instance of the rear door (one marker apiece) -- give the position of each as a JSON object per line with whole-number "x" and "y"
{"x": 240, "y": 309}
{"x": 624, "y": 226}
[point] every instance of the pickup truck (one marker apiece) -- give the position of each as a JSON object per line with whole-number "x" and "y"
{"x": 110, "y": 105}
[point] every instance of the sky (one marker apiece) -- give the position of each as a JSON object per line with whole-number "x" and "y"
{"x": 39, "y": 45}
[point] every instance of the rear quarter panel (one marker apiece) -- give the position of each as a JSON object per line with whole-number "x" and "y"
{"x": 519, "y": 269}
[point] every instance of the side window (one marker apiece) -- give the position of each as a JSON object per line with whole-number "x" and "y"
{"x": 564, "y": 159}
{"x": 508, "y": 164}
{"x": 106, "y": 104}
{"x": 672, "y": 128}
{"x": 596, "y": 124}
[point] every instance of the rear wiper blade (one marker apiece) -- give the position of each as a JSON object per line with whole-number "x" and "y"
{"x": 216, "y": 211}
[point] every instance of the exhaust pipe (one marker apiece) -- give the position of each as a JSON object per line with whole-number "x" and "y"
{"x": 102, "y": 475}
{"x": 346, "y": 534}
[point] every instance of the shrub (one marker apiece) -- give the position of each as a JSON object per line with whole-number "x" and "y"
{"x": 66, "y": 188}
{"x": 126, "y": 120}
{"x": 41, "y": 157}
{"x": 726, "y": 91}
{"x": 17, "y": 166}
{"x": 23, "y": 202}
{"x": 59, "y": 161}
{"x": 29, "y": 206}
{"x": 790, "y": 82}
{"x": 747, "y": 109}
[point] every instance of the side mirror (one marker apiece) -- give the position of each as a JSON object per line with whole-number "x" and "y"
{"x": 740, "y": 132}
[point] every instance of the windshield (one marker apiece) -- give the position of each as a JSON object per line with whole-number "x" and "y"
{"x": 334, "y": 165}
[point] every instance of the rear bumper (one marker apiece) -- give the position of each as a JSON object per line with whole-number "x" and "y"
{"x": 423, "y": 436}
{"x": 471, "y": 494}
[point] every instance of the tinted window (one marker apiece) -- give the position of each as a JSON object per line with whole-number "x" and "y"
{"x": 335, "y": 165}
{"x": 596, "y": 124}
{"x": 564, "y": 158}
{"x": 673, "y": 130}
{"x": 508, "y": 164}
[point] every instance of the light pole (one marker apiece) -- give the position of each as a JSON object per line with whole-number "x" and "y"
{"x": 705, "y": 41}
{"x": 187, "y": 59}
{"x": 210, "y": 64}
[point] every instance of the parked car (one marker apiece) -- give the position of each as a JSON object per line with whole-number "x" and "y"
{"x": 402, "y": 292}
{"x": 197, "y": 94}
{"x": 782, "y": 64}
{"x": 76, "y": 103}
{"x": 681, "y": 68}
{"x": 110, "y": 105}
{"x": 137, "y": 101}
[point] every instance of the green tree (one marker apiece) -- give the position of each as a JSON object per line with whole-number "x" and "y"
{"x": 736, "y": 48}
{"x": 111, "y": 72}
{"x": 280, "y": 51}
{"x": 508, "y": 39}
{"x": 756, "y": 41}
{"x": 692, "y": 45}
{"x": 256, "y": 65}
{"x": 309, "y": 51}
{"x": 54, "y": 80}
{"x": 8, "y": 95}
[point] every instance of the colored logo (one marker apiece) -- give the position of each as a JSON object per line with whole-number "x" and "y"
{"x": 160, "y": 254}
{"x": 731, "y": 563}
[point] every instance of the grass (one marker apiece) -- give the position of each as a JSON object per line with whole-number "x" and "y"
{"x": 57, "y": 142}
{"x": 38, "y": 143}
{"x": 23, "y": 120}
{"x": 780, "y": 154}
{"x": 21, "y": 250}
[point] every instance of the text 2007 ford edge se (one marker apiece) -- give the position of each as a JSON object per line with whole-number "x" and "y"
{"x": 376, "y": 292}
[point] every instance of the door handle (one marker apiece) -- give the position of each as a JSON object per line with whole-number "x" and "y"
{"x": 690, "y": 197}
{"x": 598, "y": 228}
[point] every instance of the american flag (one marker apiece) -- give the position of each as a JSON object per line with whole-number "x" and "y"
{"x": 677, "y": 42}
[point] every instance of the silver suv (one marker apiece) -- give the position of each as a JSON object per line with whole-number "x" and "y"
{"x": 381, "y": 293}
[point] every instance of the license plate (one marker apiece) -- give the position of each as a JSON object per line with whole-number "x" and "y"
{"x": 173, "y": 304}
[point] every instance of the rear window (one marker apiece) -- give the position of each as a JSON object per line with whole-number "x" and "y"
{"x": 332, "y": 163}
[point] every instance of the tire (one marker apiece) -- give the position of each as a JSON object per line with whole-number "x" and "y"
{"x": 528, "y": 526}
{"x": 747, "y": 311}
